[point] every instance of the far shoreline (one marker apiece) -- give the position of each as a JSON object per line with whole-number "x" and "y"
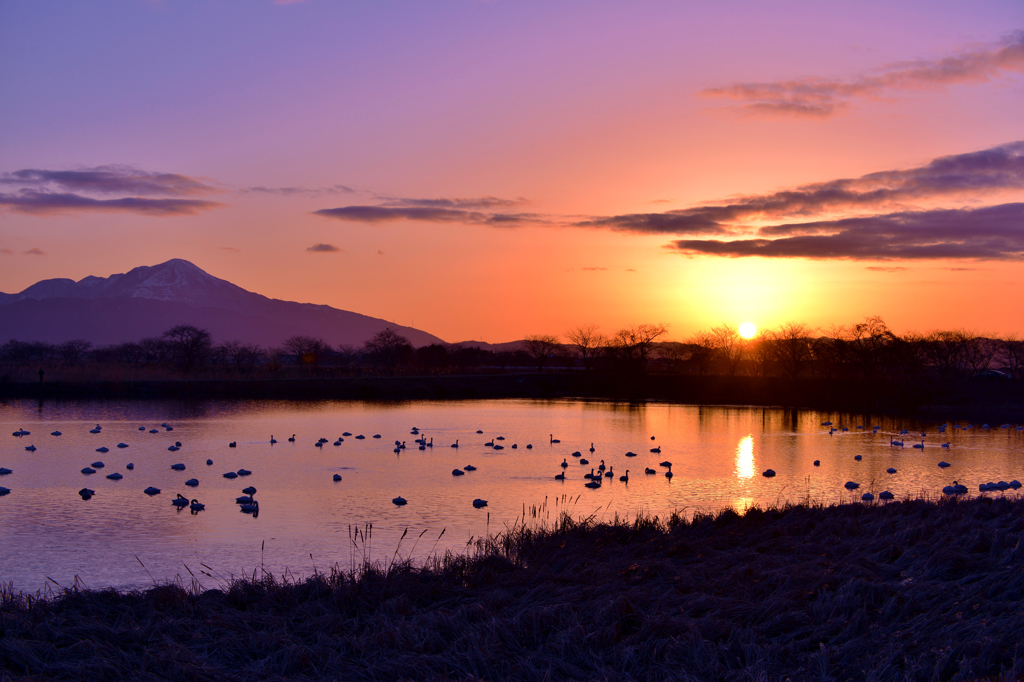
{"x": 995, "y": 401}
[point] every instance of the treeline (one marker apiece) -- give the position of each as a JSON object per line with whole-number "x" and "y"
{"x": 864, "y": 350}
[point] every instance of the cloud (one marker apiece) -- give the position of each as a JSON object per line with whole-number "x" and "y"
{"x": 299, "y": 191}
{"x": 34, "y": 252}
{"x": 879, "y": 268}
{"x": 48, "y": 203}
{"x": 386, "y": 214}
{"x": 478, "y": 203}
{"x": 989, "y": 233}
{"x": 46, "y": 192}
{"x": 323, "y": 248}
{"x": 6, "y": 252}
{"x": 111, "y": 179}
{"x": 630, "y": 270}
{"x": 822, "y": 97}
{"x": 971, "y": 175}
{"x": 229, "y": 249}
{"x": 593, "y": 269}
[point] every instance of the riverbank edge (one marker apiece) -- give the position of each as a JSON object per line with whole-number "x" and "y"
{"x": 915, "y": 589}
{"x": 996, "y": 401}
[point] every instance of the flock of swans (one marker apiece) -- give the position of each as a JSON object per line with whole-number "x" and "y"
{"x": 597, "y": 477}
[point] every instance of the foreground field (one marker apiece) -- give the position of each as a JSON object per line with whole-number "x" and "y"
{"x": 913, "y": 590}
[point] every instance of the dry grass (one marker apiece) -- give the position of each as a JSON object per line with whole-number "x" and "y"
{"x": 914, "y": 590}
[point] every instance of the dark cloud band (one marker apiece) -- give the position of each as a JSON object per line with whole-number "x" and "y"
{"x": 109, "y": 180}
{"x": 46, "y": 203}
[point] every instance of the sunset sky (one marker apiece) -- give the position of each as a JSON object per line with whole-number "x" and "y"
{"x": 487, "y": 170}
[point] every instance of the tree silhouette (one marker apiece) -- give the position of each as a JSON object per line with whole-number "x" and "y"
{"x": 308, "y": 350}
{"x": 189, "y": 344}
{"x": 388, "y": 348}
{"x": 540, "y": 347}
{"x": 588, "y": 343}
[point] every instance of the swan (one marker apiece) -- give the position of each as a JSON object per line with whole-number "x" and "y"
{"x": 500, "y": 438}
{"x": 479, "y": 431}
{"x": 943, "y": 465}
{"x": 86, "y": 493}
{"x": 867, "y": 497}
{"x": 103, "y": 449}
{"x": 625, "y": 479}
{"x": 192, "y": 482}
{"x": 337, "y": 477}
{"x": 249, "y": 491}
{"x": 593, "y": 484}
{"x": 209, "y": 462}
{"x": 885, "y": 495}
{"x": 559, "y": 477}
{"x": 601, "y": 467}
{"x": 489, "y": 444}
{"x": 850, "y": 485}
{"x": 456, "y": 443}
{"x": 469, "y": 467}
{"x": 88, "y": 470}
{"x": 32, "y": 448}
{"x": 668, "y": 474}
{"x": 178, "y": 467}
{"x": 610, "y": 473}
{"x": 590, "y": 475}
{"x": 552, "y": 439}
{"x": 591, "y": 447}
{"x": 656, "y": 450}
{"x": 768, "y": 473}
{"x": 577, "y": 453}
{"x": 564, "y": 464}
{"x": 232, "y": 444}
{"x": 666, "y": 463}
{"x": 173, "y": 448}
{"x": 890, "y": 470}
{"x": 858, "y": 457}
{"x": 58, "y": 433}
{"x": 115, "y": 476}
{"x": 244, "y": 472}
{"x": 231, "y": 474}
{"x": 274, "y": 440}
{"x": 649, "y": 470}
{"x": 122, "y": 445}
{"x": 458, "y": 472}
{"x": 529, "y": 446}
{"x": 4, "y": 491}
{"x": 180, "y": 501}
{"x": 4, "y": 471}
{"x": 244, "y": 499}
{"x": 196, "y": 506}
{"x": 377, "y": 435}
{"x": 945, "y": 445}
{"x": 253, "y": 508}
{"x": 919, "y": 446}
{"x": 817, "y": 462}
{"x": 584, "y": 462}
{"x": 153, "y": 431}
{"x": 152, "y": 491}
{"x": 97, "y": 465}
{"x": 399, "y": 501}
{"x": 631, "y": 454}
{"x": 893, "y": 442}
{"x": 479, "y": 503}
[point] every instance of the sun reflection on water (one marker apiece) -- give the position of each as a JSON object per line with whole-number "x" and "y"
{"x": 745, "y": 458}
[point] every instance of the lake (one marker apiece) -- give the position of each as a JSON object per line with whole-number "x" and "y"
{"x": 124, "y": 538}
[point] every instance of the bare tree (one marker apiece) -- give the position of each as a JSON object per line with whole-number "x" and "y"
{"x": 242, "y": 354}
{"x": 190, "y": 344}
{"x": 73, "y": 352}
{"x": 587, "y": 342}
{"x": 541, "y": 348}
{"x": 702, "y": 350}
{"x": 762, "y": 352}
{"x": 728, "y": 345}
{"x": 308, "y": 350}
{"x": 1011, "y": 356}
{"x": 388, "y": 348}
{"x": 633, "y": 344}
{"x": 792, "y": 343}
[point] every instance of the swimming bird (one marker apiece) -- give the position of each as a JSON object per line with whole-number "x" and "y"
{"x": 625, "y": 478}
{"x": 456, "y": 443}
{"x": 577, "y": 453}
{"x": 584, "y": 461}
{"x": 591, "y": 447}
{"x": 479, "y": 503}
{"x": 890, "y": 470}
{"x": 122, "y": 445}
{"x": 469, "y": 467}
{"x": 337, "y": 477}
{"x": 945, "y": 445}
{"x": 610, "y": 473}
{"x": 668, "y": 474}
{"x": 630, "y": 454}
{"x": 458, "y": 472}
{"x": 192, "y": 482}
{"x": 86, "y": 493}
{"x": 867, "y": 497}
{"x": 817, "y": 462}
{"x": 232, "y": 444}
{"x": 552, "y": 439}
{"x": 152, "y": 491}
{"x": 253, "y": 508}
{"x": 529, "y": 446}
{"x": 656, "y": 450}
{"x": 564, "y": 464}
{"x": 274, "y": 440}
{"x": 209, "y": 462}
{"x": 115, "y": 476}
{"x": 850, "y": 485}
{"x": 944, "y": 464}
{"x": 858, "y": 457}
{"x": 885, "y": 495}
{"x": 103, "y": 449}
{"x": 129, "y": 466}
{"x": 196, "y": 506}
{"x": 593, "y": 484}
{"x": 559, "y": 477}
{"x": 893, "y": 442}
{"x": 919, "y": 446}
{"x": 4, "y": 491}
{"x": 249, "y": 490}
{"x": 88, "y": 470}
{"x": 97, "y": 465}
{"x": 56, "y": 433}
{"x": 231, "y": 474}
{"x": 178, "y": 467}
{"x": 591, "y": 475}
{"x": 649, "y": 470}
{"x": 4, "y": 471}
{"x": 290, "y": 440}
{"x": 601, "y": 467}
{"x": 32, "y": 448}
{"x": 479, "y": 430}
{"x": 180, "y": 501}
{"x": 399, "y": 501}
{"x": 768, "y": 473}
{"x": 666, "y": 463}
{"x": 244, "y": 499}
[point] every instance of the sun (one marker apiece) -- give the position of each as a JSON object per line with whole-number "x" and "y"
{"x": 747, "y": 330}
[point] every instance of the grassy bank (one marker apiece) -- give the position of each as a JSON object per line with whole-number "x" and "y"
{"x": 913, "y": 590}
{"x": 993, "y": 401}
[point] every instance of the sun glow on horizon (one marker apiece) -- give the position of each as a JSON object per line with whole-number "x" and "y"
{"x": 748, "y": 330}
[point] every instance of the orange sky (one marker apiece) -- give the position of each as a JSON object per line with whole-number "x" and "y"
{"x": 506, "y": 150}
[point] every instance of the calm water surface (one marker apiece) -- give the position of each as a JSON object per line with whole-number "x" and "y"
{"x": 124, "y": 538}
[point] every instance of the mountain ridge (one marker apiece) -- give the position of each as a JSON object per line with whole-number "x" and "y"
{"x": 132, "y": 305}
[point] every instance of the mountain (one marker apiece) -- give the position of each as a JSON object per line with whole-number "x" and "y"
{"x": 148, "y": 300}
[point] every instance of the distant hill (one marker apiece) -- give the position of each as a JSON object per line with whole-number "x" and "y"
{"x": 148, "y": 300}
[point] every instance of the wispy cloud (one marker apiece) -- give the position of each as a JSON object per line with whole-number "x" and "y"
{"x": 823, "y": 97}
{"x": 46, "y": 192}
{"x": 323, "y": 248}
{"x": 973, "y": 174}
{"x": 34, "y": 251}
{"x": 593, "y": 269}
{"x": 882, "y": 268}
{"x": 299, "y": 191}
{"x": 469, "y": 211}
{"x": 110, "y": 179}
{"x": 49, "y": 203}
{"x": 989, "y": 233}
{"x": 230, "y": 249}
